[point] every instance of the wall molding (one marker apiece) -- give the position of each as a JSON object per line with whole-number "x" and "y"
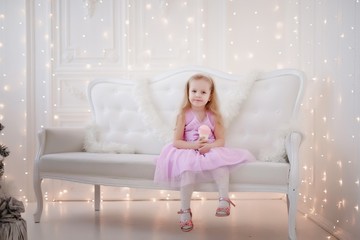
{"x": 68, "y": 56}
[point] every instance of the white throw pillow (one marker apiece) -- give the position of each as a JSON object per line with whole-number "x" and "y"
{"x": 93, "y": 142}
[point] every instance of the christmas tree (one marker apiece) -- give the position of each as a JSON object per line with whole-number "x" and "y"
{"x": 12, "y": 225}
{"x": 4, "y": 152}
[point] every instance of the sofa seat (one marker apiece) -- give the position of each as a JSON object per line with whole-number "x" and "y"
{"x": 127, "y": 166}
{"x": 110, "y": 165}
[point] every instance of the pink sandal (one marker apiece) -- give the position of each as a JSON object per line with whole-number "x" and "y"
{"x": 186, "y": 226}
{"x": 224, "y": 211}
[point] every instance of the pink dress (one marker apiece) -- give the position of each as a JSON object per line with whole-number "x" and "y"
{"x": 173, "y": 164}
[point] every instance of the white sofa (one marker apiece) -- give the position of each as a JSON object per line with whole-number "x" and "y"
{"x": 133, "y": 119}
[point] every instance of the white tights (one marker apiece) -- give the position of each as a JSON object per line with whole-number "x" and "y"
{"x": 221, "y": 177}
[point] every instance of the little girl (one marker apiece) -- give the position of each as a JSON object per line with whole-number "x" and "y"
{"x": 190, "y": 159}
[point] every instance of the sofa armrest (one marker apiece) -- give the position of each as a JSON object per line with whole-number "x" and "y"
{"x": 292, "y": 146}
{"x": 58, "y": 140}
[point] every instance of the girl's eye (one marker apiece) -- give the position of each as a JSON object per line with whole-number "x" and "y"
{"x": 203, "y": 92}
{"x": 193, "y": 91}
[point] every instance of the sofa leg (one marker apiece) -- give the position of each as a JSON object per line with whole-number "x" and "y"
{"x": 39, "y": 199}
{"x": 292, "y": 209}
{"x": 97, "y": 197}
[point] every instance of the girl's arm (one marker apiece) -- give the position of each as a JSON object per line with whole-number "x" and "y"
{"x": 219, "y": 136}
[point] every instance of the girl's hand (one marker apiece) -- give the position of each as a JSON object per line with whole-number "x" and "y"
{"x": 203, "y": 146}
{"x": 199, "y": 144}
{"x": 204, "y": 149}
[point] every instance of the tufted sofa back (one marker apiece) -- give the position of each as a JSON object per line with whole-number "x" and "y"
{"x": 142, "y": 113}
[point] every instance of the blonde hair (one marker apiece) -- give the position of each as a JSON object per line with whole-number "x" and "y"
{"x": 212, "y": 105}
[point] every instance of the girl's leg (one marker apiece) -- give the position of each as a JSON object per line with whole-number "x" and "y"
{"x": 185, "y": 194}
{"x": 186, "y": 190}
{"x": 221, "y": 177}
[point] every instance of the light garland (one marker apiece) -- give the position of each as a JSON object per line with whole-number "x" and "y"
{"x": 323, "y": 170}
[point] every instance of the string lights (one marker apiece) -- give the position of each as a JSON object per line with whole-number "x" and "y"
{"x": 12, "y": 98}
{"x": 332, "y": 145}
{"x": 322, "y": 43}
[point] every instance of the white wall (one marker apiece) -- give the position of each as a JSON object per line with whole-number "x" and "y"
{"x": 330, "y": 49}
{"x": 59, "y": 46}
{"x": 13, "y": 94}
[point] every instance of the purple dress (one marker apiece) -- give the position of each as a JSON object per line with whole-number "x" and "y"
{"x": 173, "y": 163}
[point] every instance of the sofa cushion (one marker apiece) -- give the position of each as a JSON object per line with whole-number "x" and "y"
{"x": 100, "y": 164}
{"x": 267, "y": 173}
{"x": 142, "y": 166}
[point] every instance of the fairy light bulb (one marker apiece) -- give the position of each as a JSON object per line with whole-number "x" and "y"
{"x": 324, "y": 176}
{"x": 340, "y": 182}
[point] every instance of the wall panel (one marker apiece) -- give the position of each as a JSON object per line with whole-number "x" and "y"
{"x": 84, "y": 41}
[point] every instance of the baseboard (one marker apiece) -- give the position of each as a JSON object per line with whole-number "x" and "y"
{"x": 327, "y": 225}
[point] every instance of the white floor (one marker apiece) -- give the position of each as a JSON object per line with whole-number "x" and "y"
{"x": 251, "y": 219}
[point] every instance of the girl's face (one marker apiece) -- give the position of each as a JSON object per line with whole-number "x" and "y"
{"x": 199, "y": 92}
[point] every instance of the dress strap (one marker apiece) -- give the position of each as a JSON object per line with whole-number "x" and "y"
{"x": 189, "y": 115}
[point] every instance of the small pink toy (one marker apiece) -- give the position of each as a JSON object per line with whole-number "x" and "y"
{"x": 204, "y": 132}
